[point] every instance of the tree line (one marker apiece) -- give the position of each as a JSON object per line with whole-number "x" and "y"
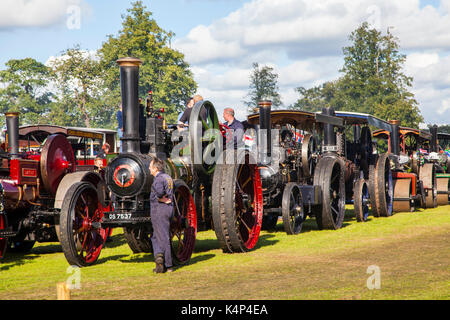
{"x": 81, "y": 88}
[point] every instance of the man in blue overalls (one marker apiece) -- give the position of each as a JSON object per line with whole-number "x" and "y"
{"x": 161, "y": 210}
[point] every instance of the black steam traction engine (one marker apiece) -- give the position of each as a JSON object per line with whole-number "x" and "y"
{"x": 300, "y": 177}
{"x": 236, "y": 198}
{"x": 33, "y": 184}
{"x": 368, "y": 174}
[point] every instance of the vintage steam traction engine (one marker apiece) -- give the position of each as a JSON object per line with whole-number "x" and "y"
{"x": 300, "y": 178}
{"x": 443, "y": 175}
{"x": 236, "y": 207}
{"x": 414, "y": 176}
{"x": 32, "y": 186}
{"x": 368, "y": 175}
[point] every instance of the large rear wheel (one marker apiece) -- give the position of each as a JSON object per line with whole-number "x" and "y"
{"x": 381, "y": 188}
{"x": 82, "y": 236}
{"x": 183, "y": 228}
{"x": 237, "y": 205}
{"x": 331, "y": 180}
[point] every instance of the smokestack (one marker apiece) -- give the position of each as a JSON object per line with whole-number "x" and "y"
{"x": 12, "y": 127}
{"x": 265, "y": 124}
{"x": 395, "y": 137}
{"x": 129, "y": 83}
{"x": 434, "y": 139}
{"x": 328, "y": 129}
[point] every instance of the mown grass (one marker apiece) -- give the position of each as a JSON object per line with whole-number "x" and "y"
{"x": 411, "y": 250}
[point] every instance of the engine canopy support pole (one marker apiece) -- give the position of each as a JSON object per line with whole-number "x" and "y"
{"x": 395, "y": 137}
{"x": 328, "y": 129}
{"x": 434, "y": 142}
{"x": 357, "y": 133}
{"x": 265, "y": 126}
{"x": 129, "y": 83}
{"x": 12, "y": 125}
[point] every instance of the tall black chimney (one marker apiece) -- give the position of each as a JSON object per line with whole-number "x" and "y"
{"x": 265, "y": 126}
{"x": 129, "y": 83}
{"x": 434, "y": 139}
{"x": 12, "y": 127}
{"x": 395, "y": 137}
{"x": 329, "y": 136}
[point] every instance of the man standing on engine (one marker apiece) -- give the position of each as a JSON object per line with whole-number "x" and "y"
{"x": 161, "y": 211}
{"x": 235, "y": 125}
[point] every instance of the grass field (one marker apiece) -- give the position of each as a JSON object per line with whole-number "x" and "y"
{"x": 411, "y": 250}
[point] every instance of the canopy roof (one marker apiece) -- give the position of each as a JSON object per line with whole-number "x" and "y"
{"x": 352, "y": 118}
{"x": 299, "y": 119}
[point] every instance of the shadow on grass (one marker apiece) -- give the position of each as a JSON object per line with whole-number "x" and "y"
{"x": 16, "y": 258}
{"x": 310, "y": 223}
{"x": 266, "y": 240}
{"x": 115, "y": 241}
{"x": 12, "y": 260}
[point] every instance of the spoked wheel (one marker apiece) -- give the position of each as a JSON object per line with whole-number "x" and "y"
{"x": 428, "y": 176}
{"x": 308, "y": 149}
{"x": 292, "y": 209}
{"x": 237, "y": 205}
{"x": 204, "y": 134}
{"x": 330, "y": 177}
{"x": 82, "y": 237}
{"x": 361, "y": 200}
{"x": 381, "y": 187}
{"x": 443, "y": 189}
{"x": 183, "y": 228}
{"x": 3, "y": 241}
{"x": 138, "y": 239}
{"x": 402, "y": 196}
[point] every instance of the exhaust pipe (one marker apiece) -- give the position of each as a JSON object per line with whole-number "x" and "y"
{"x": 129, "y": 83}
{"x": 395, "y": 137}
{"x": 434, "y": 139}
{"x": 329, "y": 136}
{"x": 265, "y": 125}
{"x": 12, "y": 127}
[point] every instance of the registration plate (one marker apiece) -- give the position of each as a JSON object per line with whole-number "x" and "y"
{"x": 119, "y": 216}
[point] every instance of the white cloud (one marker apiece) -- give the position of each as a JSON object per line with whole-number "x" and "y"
{"x": 303, "y": 40}
{"x": 35, "y": 13}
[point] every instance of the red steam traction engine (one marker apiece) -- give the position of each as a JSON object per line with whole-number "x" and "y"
{"x": 33, "y": 185}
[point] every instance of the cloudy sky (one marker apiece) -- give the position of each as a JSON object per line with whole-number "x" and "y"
{"x": 301, "y": 39}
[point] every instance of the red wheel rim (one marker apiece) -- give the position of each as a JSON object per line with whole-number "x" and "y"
{"x": 249, "y": 204}
{"x": 184, "y": 225}
{"x": 3, "y": 241}
{"x": 88, "y": 235}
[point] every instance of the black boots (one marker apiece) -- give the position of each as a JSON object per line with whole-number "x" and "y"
{"x": 159, "y": 260}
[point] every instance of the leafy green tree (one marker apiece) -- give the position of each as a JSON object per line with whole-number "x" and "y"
{"x": 164, "y": 70}
{"x": 263, "y": 85}
{"x": 25, "y": 89}
{"x": 372, "y": 82}
{"x": 81, "y": 89}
